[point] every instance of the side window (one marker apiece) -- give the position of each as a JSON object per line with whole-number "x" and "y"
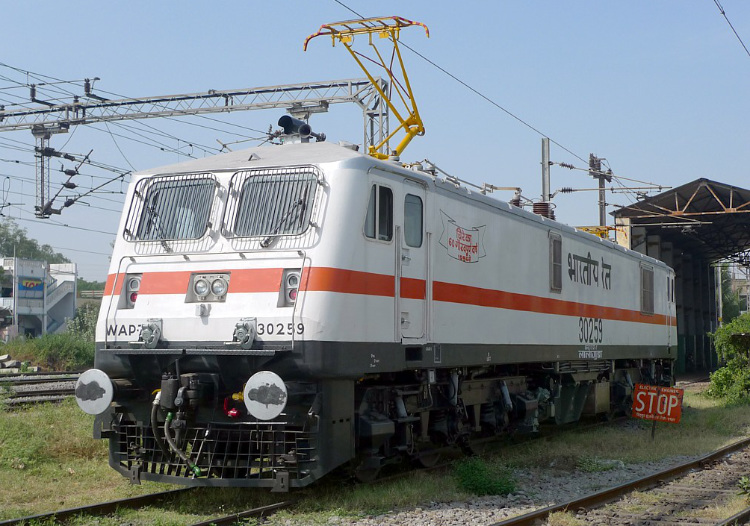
{"x": 413, "y": 220}
{"x": 647, "y": 290}
{"x": 555, "y": 262}
{"x": 379, "y": 219}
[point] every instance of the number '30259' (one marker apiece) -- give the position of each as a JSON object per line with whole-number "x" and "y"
{"x": 280, "y": 329}
{"x": 590, "y": 330}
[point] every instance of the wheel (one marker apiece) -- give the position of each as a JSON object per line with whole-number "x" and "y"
{"x": 366, "y": 475}
{"x": 428, "y": 459}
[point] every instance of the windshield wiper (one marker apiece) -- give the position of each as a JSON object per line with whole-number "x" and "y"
{"x": 301, "y": 202}
{"x": 155, "y": 219}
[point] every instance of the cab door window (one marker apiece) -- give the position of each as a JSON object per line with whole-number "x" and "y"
{"x": 379, "y": 219}
{"x": 413, "y": 220}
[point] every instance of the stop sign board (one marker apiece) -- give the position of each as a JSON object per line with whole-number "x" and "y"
{"x": 653, "y": 402}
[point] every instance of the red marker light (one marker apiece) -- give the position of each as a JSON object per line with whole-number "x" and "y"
{"x": 133, "y": 297}
{"x": 293, "y": 295}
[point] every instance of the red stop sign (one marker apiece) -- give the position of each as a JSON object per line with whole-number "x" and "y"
{"x": 653, "y": 402}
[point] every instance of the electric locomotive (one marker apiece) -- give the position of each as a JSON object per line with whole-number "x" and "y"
{"x": 275, "y": 313}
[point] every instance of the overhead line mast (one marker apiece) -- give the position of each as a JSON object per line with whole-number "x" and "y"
{"x": 299, "y": 100}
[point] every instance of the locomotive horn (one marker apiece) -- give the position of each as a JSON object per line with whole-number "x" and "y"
{"x": 292, "y": 125}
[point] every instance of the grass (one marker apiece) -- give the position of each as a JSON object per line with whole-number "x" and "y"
{"x": 49, "y": 461}
{"x": 55, "y": 352}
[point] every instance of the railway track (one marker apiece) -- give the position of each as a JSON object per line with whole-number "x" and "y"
{"x": 102, "y": 508}
{"x": 105, "y": 508}
{"x": 29, "y": 388}
{"x": 233, "y": 518}
{"x": 674, "y": 496}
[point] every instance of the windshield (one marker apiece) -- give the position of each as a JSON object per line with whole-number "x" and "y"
{"x": 171, "y": 208}
{"x": 273, "y": 202}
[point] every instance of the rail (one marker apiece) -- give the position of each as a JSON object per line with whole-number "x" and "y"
{"x": 96, "y": 509}
{"x": 602, "y": 497}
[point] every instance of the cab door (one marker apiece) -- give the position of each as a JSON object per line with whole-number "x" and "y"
{"x": 412, "y": 261}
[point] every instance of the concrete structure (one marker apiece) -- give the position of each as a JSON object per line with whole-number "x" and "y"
{"x": 36, "y": 297}
{"x": 694, "y": 228}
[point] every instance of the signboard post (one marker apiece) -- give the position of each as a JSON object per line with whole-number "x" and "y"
{"x": 658, "y": 404}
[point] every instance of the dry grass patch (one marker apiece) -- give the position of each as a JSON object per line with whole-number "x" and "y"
{"x": 730, "y": 507}
{"x": 564, "y": 518}
{"x": 706, "y": 425}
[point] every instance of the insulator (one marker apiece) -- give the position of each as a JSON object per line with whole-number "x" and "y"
{"x": 69, "y": 202}
{"x": 69, "y": 185}
{"x": 541, "y": 208}
{"x": 568, "y": 166}
{"x": 566, "y": 190}
{"x": 70, "y": 172}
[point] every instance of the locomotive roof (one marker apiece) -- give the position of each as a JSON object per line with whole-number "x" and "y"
{"x": 262, "y": 156}
{"x": 325, "y": 152}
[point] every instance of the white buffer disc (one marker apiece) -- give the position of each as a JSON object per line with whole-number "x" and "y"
{"x": 94, "y": 391}
{"x": 265, "y": 395}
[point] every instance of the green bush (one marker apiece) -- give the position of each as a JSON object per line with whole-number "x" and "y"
{"x": 728, "y": 342}
{"x": 476, "y": 476}
{"x": 732, "y": 381}
{"x": 57, "y": 352}
{"x": 83, "y": 324}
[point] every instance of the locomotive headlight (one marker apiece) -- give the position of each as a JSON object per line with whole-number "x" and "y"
{"x": 200, "y": 287}
{"x": 208, "y": 287}
{"x": 219, "y": 287}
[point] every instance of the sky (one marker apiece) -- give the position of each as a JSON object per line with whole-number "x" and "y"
{"x": 658, "y": 88}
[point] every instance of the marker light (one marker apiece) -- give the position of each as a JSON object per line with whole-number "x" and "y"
{"x": 132, "y": 286}
{"x": 291, "y": 288}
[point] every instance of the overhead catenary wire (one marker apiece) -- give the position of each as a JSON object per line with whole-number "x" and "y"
{"x": 51, "y": 222}
{"x": 474, "y": 90}
{"x": 721, "y": 10}
{"x": 494, "y": 103}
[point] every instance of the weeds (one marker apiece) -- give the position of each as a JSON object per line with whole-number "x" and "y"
{"x": 477, "y": 476}
{"x": 595, "y": 464}
{"x": 744, "y": 485}
{"x": 57, "y": 352}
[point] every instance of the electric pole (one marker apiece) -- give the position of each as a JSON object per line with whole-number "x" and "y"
{"x": 595, "y": 171}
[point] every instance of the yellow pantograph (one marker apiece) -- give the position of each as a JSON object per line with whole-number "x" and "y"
{"x": 385, "y": 28}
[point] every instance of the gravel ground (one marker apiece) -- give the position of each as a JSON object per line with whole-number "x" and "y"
{"x": 41, "y": 388}
{"x": 538, "y": 488}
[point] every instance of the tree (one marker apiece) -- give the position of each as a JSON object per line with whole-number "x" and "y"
{"x": 14, "y": 239}
{"x": 732, "y": 341}
{"x": 730, "y": 303}
{"x": 89, "y": 285}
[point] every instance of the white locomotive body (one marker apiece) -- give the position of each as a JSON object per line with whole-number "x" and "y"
{"x": 304, "y": 306}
